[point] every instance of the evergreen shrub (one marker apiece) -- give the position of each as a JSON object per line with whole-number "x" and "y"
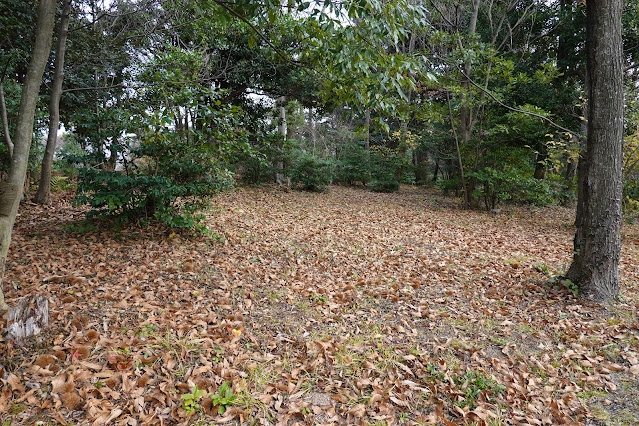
{"x": 494, "y": 186}
{"x": 311, "y": 173}
{"x": 353, "y": 166}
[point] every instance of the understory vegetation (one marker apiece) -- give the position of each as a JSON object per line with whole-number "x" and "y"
{"x": 410, "y": 95}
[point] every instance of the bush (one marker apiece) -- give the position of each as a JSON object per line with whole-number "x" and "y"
{"x": 261, "y": 163}
{"x": 167, "y": 180}
{"x": 631, "y": 177}
{"x": 139, "y": 196}
{"x": 494, "y": 186}
{"x": 451, "y": 185}
{"x": 353, "y": 166}
{"x": 631, "y": 200}
{"x": 311, "y": 173}
{"x": 388, "y": 170}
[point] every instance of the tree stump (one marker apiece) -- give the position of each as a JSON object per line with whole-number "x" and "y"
{"x": 28, "y": 318}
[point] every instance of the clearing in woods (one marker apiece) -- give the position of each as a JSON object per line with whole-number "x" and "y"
{"x": 332, "y": 308}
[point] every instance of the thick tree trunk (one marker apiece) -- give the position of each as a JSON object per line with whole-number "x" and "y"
{"x": 43, "y": 194}
{"x": 11, "y": 189}
{"x": 598, "y": 237}
{"x": 5, "y": 122}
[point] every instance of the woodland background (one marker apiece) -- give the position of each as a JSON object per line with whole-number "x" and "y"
{"x": 409, "y": 280}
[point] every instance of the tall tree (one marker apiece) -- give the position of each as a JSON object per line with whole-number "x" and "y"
{"x": 44, "y": 187}
{"x": 597, "y": 241}
{"x": 11, "y": 189}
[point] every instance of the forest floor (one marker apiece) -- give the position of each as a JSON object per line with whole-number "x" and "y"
{"x": 345, "y": 307}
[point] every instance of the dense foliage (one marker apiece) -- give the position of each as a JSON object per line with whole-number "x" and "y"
{"x": 168, "y": 103}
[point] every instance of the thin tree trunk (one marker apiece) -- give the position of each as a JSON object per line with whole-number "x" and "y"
{"x": 281, "y": 122}
{"x": 598, "y": 237}
{"x": 540, "y": 166}
{"x": 459, "y": 157}
{"x": 43, "y": 194}
{"x": 281, "y": 130}
{"x": 465, "y": 113}
{"x": 11, "y": 189}
{"x": 5, "y": 122}
{"x": 367, "y": 141}
{"x": 311, "y": 126}
{"x": 404, "y": 124}
{"x": 573, "y": 165}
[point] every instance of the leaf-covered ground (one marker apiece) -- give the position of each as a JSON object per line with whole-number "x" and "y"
{"x": 339, "y": 308}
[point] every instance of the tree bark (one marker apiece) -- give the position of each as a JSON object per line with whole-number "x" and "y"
{"x": 460, "y": 161}
{"x": 281, "y": 130}
{"x": 43, "y": 194}
{"x": 467, "y": 121}
{"x": 367, "y": 136}
{"x": 12, "y": 189}
{"x": 5, "y": 122}
{"x": 597, "y": 241}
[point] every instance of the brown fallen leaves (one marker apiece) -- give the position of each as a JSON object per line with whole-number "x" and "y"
{"x": 341, "y": 308}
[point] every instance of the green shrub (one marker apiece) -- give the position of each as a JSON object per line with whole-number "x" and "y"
{"x": 631, "y": 177}
{"x": 451, "y": 185}
{"x": 311, "y": 173}
{"x": 631, "y": 200}
{"x": 263, "y": 161}
{"x": 493, "y": 186}
{"x": 61, "y": 183}
{"x": 167, "y": 180}
{"x": 353, "y": 166}
{"x": 138, "y": 196}
{"x": 70, "y": 156}
{"x": 388, "y": 170}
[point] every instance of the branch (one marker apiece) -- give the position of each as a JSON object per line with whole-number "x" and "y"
{"x": 632, "y": 67}
{"x": 256, "y": 31}
{"x": 107, "y": 13}
{"x": 532, "y": 114}
{"x": 78, "y": 89}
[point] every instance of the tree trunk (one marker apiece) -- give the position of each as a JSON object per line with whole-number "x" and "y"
{"x": 367, "y": 136}
{"x": 467, "y": 122}
{"x": 460, "y": 162}
{"x": 5, "y": 122}
{"x": 540, "y": 166}
{"x": 281, "y": 130}
{"x": 405, "y": 120}
{"x": 11, "y": 189}
{"x": 598, "y": 237}
{"x": 573, "y": 165}
{"x": 43, "y": 194}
